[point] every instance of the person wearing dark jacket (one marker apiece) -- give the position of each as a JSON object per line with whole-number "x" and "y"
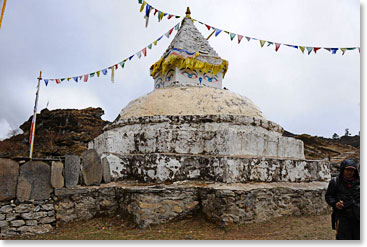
{"x": 343, "y": 195}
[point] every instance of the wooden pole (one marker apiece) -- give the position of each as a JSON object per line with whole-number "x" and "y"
{"x": 2, "y": 12}
{"x": 33, "y": 125}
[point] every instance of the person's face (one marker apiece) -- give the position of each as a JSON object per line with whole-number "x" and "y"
{"x": 348, "y": 173}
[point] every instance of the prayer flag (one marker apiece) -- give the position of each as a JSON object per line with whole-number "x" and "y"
{"x": 155, "y": 11}
{"x": 328, "y": 49}
{"x": 277, "y": 46}
{"x": 98, "y": 73}
{"x": 46, "y": 81}
{"x": 75, "y": 79}
{"x": 167, "y": 35}
{"x": 116, "y": 66}
{"x": 315, "y": 49}
{"x": 58, "y": 81}
{"x": 104, "y": 71}
{"x": 359, "y": 49}
{"x": 177, "y": 16}
{"x": 122, "y": 64}
{"x": 170, "y": 31}
{"x": 207, "y": 26}
{"x": 86, "y": 78}
{"x": 248, "y": 39}
{"x": 217, "y": 32}
{"x": 302, "y": 48}
{"x": 270, "y": 43}
{"x": 144, "y": 51}
{"x": 155, "y": 42}
{"x": 113, "y": 74}
{"x": 150, "y": 46}
{"x": 138, "y": 54}
{"x": 170, "y": 16}
{"x": 140, "y": 1}
{"x": 226, "y": 32}
{"x": 334, "y": 50}
{"x": 177, "y": 26}
{"x": 80, "y": 77}
{"x": 343, "y": 50}
{"x": 309, "y": 49}
{"x": 232, "y": 35}
{"x": 92, "y": 74}
{"x": 239, "y": 38}
{"x": 293, "y": 46}
{"x": 142, "y": 6}
{"x": 131, "y": 57}
{"x": 68, "y": 79}
{"x": 262, "y": 42}
{"x": 160, "y": 38}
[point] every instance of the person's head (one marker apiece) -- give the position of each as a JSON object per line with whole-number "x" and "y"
{"x": 348, "y": 168}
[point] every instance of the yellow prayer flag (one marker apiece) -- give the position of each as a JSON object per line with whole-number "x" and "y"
{"x": 155, "y": 42}
{"x": 302, "y": 48}
{"x": 262, "y": 43}
{"x": 98, "y": 72}
{"x": 68, "y": 79}
{"x": 226, "y": 32}
{"x": 142, "y": 6}
{"x": 343, "y": 50}
{"x": 161, "y": 15}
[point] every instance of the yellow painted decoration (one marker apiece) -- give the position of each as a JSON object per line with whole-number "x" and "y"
{"x": 164, "y": 64}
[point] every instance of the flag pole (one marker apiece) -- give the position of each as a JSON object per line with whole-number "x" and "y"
{"x": 33, "y": 124}
{"x": 2, "y": 12}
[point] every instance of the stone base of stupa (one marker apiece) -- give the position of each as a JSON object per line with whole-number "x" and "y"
{"x": 224, "y": 204}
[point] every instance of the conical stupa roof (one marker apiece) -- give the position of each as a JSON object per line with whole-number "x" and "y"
{"x": 189, "y": 49}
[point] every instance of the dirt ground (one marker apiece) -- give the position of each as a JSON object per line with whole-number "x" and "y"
{"x": 194, "y": 228}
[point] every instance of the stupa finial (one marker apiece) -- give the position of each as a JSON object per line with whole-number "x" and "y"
{"x": 188, "y": 12}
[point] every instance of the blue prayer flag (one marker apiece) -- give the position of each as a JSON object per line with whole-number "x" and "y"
{"x": 217, "y": 32}
{"x": 334, "y": 50}
{"x": 46, "y": 81}
{"x": 104, "y": 71}
{"x": 75, "y": 79}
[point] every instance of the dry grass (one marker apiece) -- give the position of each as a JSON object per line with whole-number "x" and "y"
{"x": 196, "y": 228}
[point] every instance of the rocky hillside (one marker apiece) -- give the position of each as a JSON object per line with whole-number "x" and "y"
{"x": 335, "y": 150}
{"x": 58, "y": 132}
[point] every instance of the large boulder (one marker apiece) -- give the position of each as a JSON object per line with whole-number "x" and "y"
{"x": 34, "y": 181}
{"x": 72, "y": 170}
{"x": 9, "y": 171}
{"x": 106, "y": 170}
{"x": 91, "y": 168}
{"x": 57, "y": 178}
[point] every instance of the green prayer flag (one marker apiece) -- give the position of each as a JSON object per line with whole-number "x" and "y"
{"x": 177, "y": 26}
{"x": 140, "y": 1}
{"x": 63, "y": 79}
{"x": 150, "y": 46}
{"x": 92, "y": 74}
{"x": 270, "y": 43}
{"x": 309, "y": 49}
{"x": 122, "y": 64}
{"x": 349, "y": 49}
{"x": 232, "y": 35}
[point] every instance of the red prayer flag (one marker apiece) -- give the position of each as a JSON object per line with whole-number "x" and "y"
{"x": 116, "y": 66}
{"x": 170, "y": 16}
{"x": 144, "y": 51}
{"x": 170, "y": 31}
{"x": 58, "y": 81}
{"x": 155, "y": 11}
{"x": 315, "y": 49}
{"x": 239, "y": 38}
{"x": 208, "y": 27}
{"x": 277, "y": 45}
{"x": 85, "y": 78}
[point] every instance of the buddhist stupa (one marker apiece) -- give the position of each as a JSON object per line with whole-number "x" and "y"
{"x": 189, "y": 127}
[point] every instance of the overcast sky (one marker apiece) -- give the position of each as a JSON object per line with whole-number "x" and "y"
{"x": 314, "y": 94}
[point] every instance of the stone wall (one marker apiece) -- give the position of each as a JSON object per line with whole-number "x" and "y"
{"x": 26, "y": 218}
{"x": 219, "y": 203}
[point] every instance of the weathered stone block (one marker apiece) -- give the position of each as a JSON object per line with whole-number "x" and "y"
{"x": 6, "y": 209}
{"x": 9, "y": 171}
{"x": 91, "y": 168}
{"x": 47, "y": 220}
{"x": 2, "y": 216}
{"x": 39, "y": 229}
{"x": 72, "y": 170}
{"x": 106, "y": 170}
{"x": 48, "y": 207}
{"x": 3, "y": 223}
{"x": 22, "y": 208}
{"x": 34, "y": 181}
{"x": 31, "y": 222}
{"x": 57, "y": 178}
{"x": 16, "y": 223}
{"x": 11, "y": 216}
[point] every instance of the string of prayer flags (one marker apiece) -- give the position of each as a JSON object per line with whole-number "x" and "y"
{"x": 114, "y": 67}
{"x": 149, "y": 8}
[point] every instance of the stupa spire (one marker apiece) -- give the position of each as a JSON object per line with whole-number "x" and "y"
{"x": 189, "y": 60}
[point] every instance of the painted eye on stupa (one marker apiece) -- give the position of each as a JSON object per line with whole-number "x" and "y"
{"x": 211, "y": 78}
{"x": 169, "y": 75}
{"x": 189, "y": 74}
{"x": 158, "y": 83}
